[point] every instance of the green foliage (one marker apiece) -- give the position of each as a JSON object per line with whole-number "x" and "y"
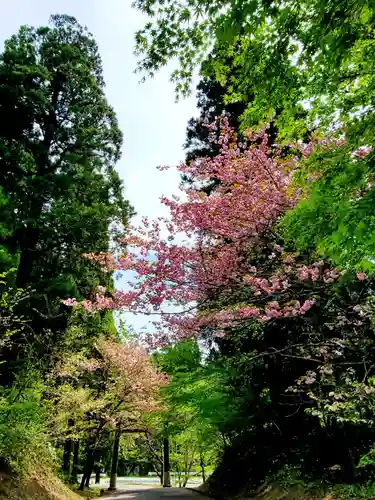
{"x": 23, "y": 431}
{"x": 304, "y": 66}
{"x": 358, "y": 491}
{"x": 195, "y": 392}
{"x": 60, "y": 198}
{"x": 10, "y": 300}
{"x": 336, "y": 215}
{"x": 197, "y": 407}
{"x": 287, "y": 476}
{"x": 284, "y": 54}
{"x": 61, "y": 194}
{"x": 367, "y": 460}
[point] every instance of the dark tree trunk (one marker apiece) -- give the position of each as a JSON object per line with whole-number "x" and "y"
{"x": 67, "y": 462}
{"x": 28, "y": 250}
{"x": 202, "y": 469}
{"x": 116, "y": 445}
{"x": 95, "y": 458}
{"x": 67, "y": 456}
{"x": 97, "y": 474}
{"x": 82, "y": 484}
{"x": 88, "y": 476}
{"x": 74, "y": 475}
{"x": 166, "y": 466}
{"x": 89, "y": 464}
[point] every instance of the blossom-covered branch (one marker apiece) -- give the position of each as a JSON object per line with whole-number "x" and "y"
{"x": 222, "y": 227}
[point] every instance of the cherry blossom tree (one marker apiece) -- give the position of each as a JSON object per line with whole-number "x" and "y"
{"x": 111, "y": 391}
{"x": 201, "y": 257}
{"x": 118, "y": 385}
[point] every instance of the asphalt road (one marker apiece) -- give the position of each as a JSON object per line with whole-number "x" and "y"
{"x": 156, "y": 494}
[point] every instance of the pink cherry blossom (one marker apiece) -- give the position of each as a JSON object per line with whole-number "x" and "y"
{"x": 252, "y": 190}
{"x": 307, "y": 305}
{"x": 361, "y": 276}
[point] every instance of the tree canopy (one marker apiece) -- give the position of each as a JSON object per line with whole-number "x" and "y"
{"x": 62, "y": 195}
{"x": 306, "y": 66}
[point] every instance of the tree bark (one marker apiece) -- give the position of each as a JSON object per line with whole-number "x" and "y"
{"x": 66, "y": 465}
{"x": 116, "y": 445}
{"x": 74, "y": 475}
{"x": 97, "y": 474}
{"x": 82, "y": 484}
{"x": 67, "y": 456}
{"x": 95, "y": 458}
{"x": 89, "y": 464}
{"x": 88, "y": 476}
{"x": 166, "y": 465}
{"x": 202, "y": 468}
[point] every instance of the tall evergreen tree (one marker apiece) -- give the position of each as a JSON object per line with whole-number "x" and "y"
{"x": 211, "y": 104}
{"x": 59, "y": 143}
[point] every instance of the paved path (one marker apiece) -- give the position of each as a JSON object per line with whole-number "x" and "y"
{"x": 142, "y": 493}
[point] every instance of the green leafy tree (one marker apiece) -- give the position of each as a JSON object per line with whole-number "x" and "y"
{"x": 283, "y": 53}
{"x": 335, "y": 216}
{"x": 191, "y": 418}
{"x": 58, "y": 184}
{"x": 304, "y": 65}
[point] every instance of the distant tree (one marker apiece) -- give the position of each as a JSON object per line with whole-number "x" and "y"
{"x": 211, "y": 104}
{"x": 106, "y": 393}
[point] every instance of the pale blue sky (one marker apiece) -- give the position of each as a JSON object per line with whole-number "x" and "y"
{"x": 152, "y": 124}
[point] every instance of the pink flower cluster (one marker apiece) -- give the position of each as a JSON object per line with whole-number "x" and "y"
{"x": 271, "y": 310}
{"x": 362, "y": 152}
{"x": 252, "y": 190}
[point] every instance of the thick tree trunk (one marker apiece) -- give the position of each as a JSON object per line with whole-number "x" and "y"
{"x": 88, "y": 476}
{"x": 95, "y": 457}
{"x": 82, "y": 484}
{"x": 116, "y": 445}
